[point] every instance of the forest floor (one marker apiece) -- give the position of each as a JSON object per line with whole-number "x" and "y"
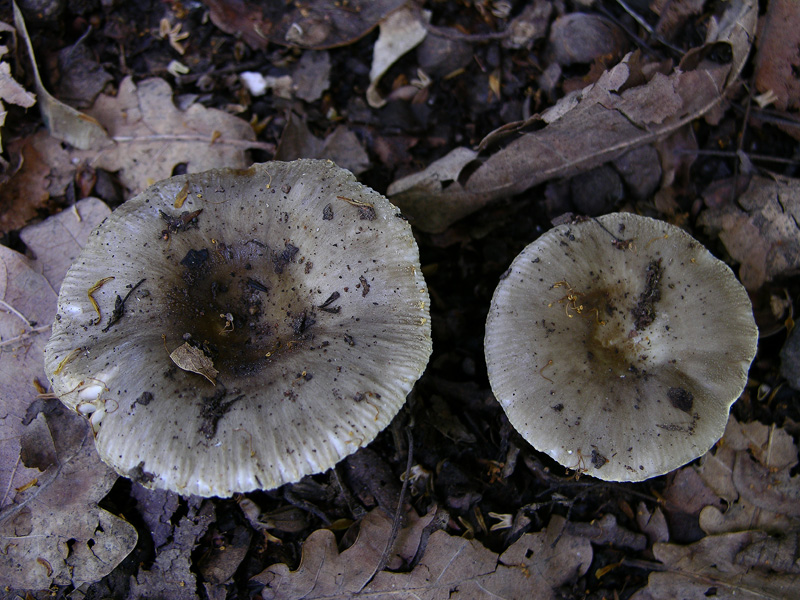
{"x": 477, "y": 511}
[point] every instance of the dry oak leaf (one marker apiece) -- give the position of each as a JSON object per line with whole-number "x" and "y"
{"x": 152, "y": 135}
{"x": 28, "y": 293}
{"x": 624, "y": 109}
{"x": 749, "y": 565}
{"x": 51, "y": 529}
{"x": 451, "y": 568}
{"x": 55, "y": 533}
{"x": 761, "y": 230}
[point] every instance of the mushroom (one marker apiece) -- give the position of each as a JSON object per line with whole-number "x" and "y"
{"x": 239, "y": 329}
{"x": 617, "y": 346}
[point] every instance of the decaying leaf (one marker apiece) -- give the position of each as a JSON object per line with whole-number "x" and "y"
{"x": 777, "y": 61}
{"x": 190, "y": 358}
{"x": 318, "y": 25}
{"x": 749, "y": 565}
{"x": 761, "y": 229}
{"x": 54, "y": 532}
{"x": 751, "y": 470}
{"x": 64, "y": 122}
{"x": 451, "y": 567}
{"x": 51, "y": 529}
{"x": 584, "y": 129}
{"x": 171, "y": 575}
{"x": 152, "y": 135}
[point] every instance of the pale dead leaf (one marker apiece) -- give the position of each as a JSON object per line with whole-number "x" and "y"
{"x": 58, "y": 240}
{"x": 585, "y": 129}
{"x": 64, "y": 122}
{"x": 451, "y": 567}
{"x": 192, "y": 359}
{"x": 11, "y": 91}
{"x": 399, "y": 32}
{"x": 761, "y": 230}
{"x": 750, "y": 565}
{"x": 152, "y": 135}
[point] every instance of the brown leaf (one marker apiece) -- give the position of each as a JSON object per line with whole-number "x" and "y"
{"x": 171, "y": 575}
{"x": 25, "y": 192}
{"x": 614, "y": 115}
{"x": 152, "y": 135}
{"x": 763, "y": 234}
{"x": 319, "y": 24}
{"x": 189, "y": 358}
{"x": 532, "y": 568}
{"x": 777, "y": 61}
{"x": 50, "y": 473}
{"x": 732, "y": 565}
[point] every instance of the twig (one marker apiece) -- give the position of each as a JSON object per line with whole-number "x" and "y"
{"x": 397, "y": 514}
{"x": 130, "y": 139}
{"x": 22, "y": 336}
{"x": 14, "y": 311}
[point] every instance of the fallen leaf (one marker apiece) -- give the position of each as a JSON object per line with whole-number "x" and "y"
{"x": 399, "y": 32}
{"x": 51, "y": 529}
{"x": 171, "y": 575}
{"x": 751, "y": 470}
{"x": 451, "y": 567}
{"x": 318, "y": 25}
{"x": 25, "y": 191}
{"x": 64, "y": 122}
{"x": 614, "y": 115}
{"x": 192, "y": 359}
{"x": 760, "y": 230}
{"x": 58, "y": 240}
{"x": 727, "y": 566}
{"x": 776, "y": 61}
{"x": 152, "y": 135}
{"x": 55, "y": 533}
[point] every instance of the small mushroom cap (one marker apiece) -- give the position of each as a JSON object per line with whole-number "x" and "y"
{"x": 617, "y": 346}
{"x": 254, "y": 327}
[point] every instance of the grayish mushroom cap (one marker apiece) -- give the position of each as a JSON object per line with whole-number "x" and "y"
{"x": 618, "y": 345}
{"x": 299, "y": 286}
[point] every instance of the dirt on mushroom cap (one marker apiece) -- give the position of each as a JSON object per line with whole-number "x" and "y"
{"x": 617, "y": 346}
{"x": 299, "y": 286}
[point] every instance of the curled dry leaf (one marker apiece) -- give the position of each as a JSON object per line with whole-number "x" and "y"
{"x": 64, "y": 122}
{"x": 533, "y": 567}
{"x": 192, "y": 359}
{"x": 613, "y": 115}
{"x": 760, "y": 230}
{"x": 400, "y": 32}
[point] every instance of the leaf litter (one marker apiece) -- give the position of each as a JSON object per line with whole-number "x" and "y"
{"x": 51, "y": 528}
{"x": 751, "y": 531}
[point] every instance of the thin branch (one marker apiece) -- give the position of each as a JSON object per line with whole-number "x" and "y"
{"x": 130, "y": 139}
{"x": 14, "y": 311}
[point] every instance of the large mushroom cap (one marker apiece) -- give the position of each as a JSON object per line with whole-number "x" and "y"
{"x": 618, "y": 345}
{"x": 254, "y": 327}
